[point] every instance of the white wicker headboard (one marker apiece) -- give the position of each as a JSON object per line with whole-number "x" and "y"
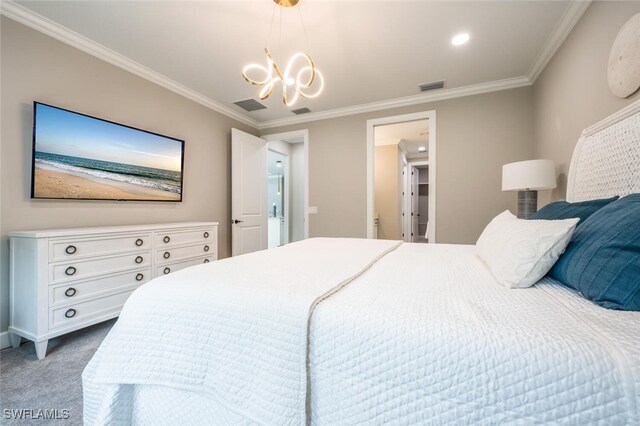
{"x": 606, "y": 160}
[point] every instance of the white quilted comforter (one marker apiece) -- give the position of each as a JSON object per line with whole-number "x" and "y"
{"x": 424, "y": 336}
{"x": 235, "y": 330}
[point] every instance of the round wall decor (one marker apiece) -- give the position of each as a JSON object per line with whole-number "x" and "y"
{"x": 624, "y": 59}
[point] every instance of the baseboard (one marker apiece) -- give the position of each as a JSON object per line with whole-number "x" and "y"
{"x": 5, "y": 342}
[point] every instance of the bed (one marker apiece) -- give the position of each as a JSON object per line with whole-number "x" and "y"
{"x": 349, "y": 331}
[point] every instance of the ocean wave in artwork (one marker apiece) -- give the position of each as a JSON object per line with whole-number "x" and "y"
{"x": 164, "y": 180}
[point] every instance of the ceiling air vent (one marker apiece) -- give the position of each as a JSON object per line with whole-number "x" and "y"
{"x": 250, "y": 105}
{"x": 425, "y": 87}
{"x": 302, "y": 110}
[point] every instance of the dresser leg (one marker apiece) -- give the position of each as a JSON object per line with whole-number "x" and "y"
{"x": 15, "y": 340}
{"x": 41, "y": 349}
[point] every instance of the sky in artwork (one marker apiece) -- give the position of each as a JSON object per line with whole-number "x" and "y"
{"x": 67, "y": 133}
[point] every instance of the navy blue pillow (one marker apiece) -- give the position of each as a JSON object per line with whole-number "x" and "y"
{"x": 602, "y": 261}
{"x": 563, "y": 210}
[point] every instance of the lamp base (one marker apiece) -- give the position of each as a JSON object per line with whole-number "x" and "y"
{"x": 527, "y": 204}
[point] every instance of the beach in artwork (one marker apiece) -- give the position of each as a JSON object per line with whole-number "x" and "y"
{"x": 111, "y": 162}
{"x": 59, "y": 176}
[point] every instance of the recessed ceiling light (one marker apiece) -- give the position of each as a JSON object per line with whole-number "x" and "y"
{"x": 422, "y": 149}
{"x": 460, "y": 39}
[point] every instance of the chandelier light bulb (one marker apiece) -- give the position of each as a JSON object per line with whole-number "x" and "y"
{"x": 307, "y": 76}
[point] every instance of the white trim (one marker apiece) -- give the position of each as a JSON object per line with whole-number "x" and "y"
{"x": 289, "y": 135}
{"x": 569, "y": 19}
{"x": 429, "y": 115}
{"x": 457, "y": 92}
{"x": 5, "y": 340}
{"x": 46, "y": 26}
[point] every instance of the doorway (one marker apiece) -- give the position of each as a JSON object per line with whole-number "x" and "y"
{"x": 277, "y": 181}
{"x": 251, "y": 205}
{"x": 294, "y": 184}
{"x": 401, "y": 190}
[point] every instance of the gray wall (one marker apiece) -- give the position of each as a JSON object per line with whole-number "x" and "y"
{"x": 37, "y": 67}
{"x": 572, "y": 93}
{"x": 476, "y": 135}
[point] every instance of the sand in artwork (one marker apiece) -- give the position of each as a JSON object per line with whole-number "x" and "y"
{"x": 50, "y": 183}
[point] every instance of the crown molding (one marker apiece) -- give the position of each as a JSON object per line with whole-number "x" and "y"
{"x": 569, "y": 19}
{"x": 443, "y": 94}
{"x": 65, "y": 35}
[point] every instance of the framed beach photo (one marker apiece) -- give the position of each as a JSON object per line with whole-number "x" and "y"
{"x": 76, "y": 156}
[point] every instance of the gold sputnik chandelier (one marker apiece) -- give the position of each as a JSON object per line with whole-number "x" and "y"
{"x": 300, "y": 76}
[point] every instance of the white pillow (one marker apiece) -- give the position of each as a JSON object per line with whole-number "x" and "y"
{"x": 520, "y": 252}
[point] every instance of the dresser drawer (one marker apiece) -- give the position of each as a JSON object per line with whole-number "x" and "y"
{"x": 68, "y": 315}
{"x": 69, "y": 249}
{"x": 72, "y": 271}
{"x": 167, "y": 239}
{"x": 82, "y": 290}
{"x": 180, "y": 253}
{"x": 173, "y": 267}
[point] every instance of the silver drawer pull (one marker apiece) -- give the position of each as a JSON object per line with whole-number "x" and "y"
{"x": 166, "y": 255}
{"x": 139, "y": 242}
{"x": 139, "y": 277}
{"x": 139, "y": 259}
{"x": 206, "y": 261}
{"x": 71, "y": 249}
{"x": 70, "y": 292}
{"x": 166, "y": 239}
{"x": 70, "y": 270}
{"x": 166, "y": 270}
{"x": 206, "y": 248}
{"x": 70, "y": 313}
{"x": 206, "y": 235}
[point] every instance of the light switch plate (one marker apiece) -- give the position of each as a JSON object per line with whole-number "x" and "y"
{"x": 313, "y": 210}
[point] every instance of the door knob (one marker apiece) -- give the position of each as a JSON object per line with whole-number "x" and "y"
{"x": 236, "y": 221}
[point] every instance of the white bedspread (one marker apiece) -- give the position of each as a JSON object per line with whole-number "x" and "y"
{"x": 424, "y": 336}
{"x": 235, "y": 330}
{"x": 427, "y": 336}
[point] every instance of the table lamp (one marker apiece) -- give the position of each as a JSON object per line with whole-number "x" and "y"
{"x": 527, "y": 177}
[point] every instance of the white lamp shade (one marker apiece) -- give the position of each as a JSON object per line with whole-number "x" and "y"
{"x": 528, "y": 175}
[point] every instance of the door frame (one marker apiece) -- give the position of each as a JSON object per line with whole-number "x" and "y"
{"x": 371, "y": 124}
{"x": 295, "y": 134}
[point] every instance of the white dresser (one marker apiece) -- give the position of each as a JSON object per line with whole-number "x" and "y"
{"x": 65, "y": 279}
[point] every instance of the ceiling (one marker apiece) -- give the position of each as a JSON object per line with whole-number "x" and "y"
{"x": 370, "y": 52}
{"x": 409, "y": 136}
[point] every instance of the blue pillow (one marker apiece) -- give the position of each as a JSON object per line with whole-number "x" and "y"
{"x": 564, "y": 210}
{"x": 602, "y": 261}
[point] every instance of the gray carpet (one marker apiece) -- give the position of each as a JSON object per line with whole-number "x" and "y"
{"x": 51, "y": 383}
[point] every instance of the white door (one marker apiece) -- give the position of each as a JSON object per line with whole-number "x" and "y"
{"x": 415, "y": 213}
{"x": 248, "y": 193}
